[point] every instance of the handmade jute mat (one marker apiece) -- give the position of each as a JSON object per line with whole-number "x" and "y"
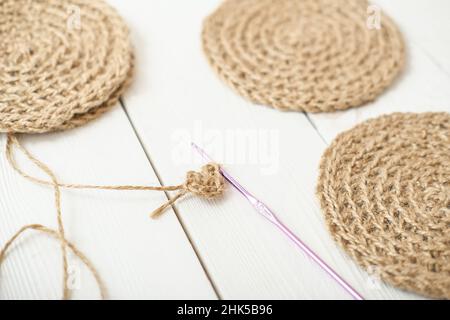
{"x": 384, "y": 188}
{"x": 303, "y": 55}
{"x": 62, "y": 63}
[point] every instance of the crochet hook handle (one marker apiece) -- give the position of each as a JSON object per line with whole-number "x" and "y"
{"x": 300, "y": 244}
{"x": 264, "y": 210}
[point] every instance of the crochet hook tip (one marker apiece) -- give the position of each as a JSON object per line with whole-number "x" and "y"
{"x": 201, "y": 152}
{"x": 196, "y": 147}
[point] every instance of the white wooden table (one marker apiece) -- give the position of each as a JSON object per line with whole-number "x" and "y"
{"x": 201, "y": 249}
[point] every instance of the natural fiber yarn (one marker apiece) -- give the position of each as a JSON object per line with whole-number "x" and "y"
{"x": 208, "y": 183}
{"x": 62, "y": 63}
{"x": 72, "y": 247}
{"x": 302, "y": 55}
{"x": 384, "y": 187}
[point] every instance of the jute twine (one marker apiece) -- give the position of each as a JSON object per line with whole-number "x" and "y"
{"x": 62, "y": 63}
{"x": 384, "y": 187}
{"x": 303, "y": 55}
{"x": 208, "y": 183}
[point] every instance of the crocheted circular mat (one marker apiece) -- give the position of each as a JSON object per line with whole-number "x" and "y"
{"x": 303, "y": 55}
{"x": 62, "y": 63}
{"x": 384, "y": 187}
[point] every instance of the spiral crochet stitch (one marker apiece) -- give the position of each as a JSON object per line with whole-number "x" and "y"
{"x": 302, "y": 55}
{"x": 384, "y": 188}
{"x": 62, "y": 63}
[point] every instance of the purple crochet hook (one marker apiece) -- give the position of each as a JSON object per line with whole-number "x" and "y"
{"x": 270, "y": 215}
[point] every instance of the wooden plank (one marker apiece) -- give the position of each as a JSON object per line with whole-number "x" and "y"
{"x": 177, "y": 98}
{"x": 426, "y": 26}
{"x": 136, "y": 257}
{"x": 425, "y": 82}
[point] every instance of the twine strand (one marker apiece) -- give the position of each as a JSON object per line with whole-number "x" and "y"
{"x": 70, "y": 245}
{"x": 208, "y": 183}
{"x": 12, "y": 140}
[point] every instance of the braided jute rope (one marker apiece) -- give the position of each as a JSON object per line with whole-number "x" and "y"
{"x": 62, "y": 63}
{"x": 208, "y": 183}
{"x": 384, "y": 188}
{"x": 302, "y": 55}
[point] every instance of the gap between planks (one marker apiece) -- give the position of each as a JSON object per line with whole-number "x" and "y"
{"x": 177, "y": 214}
{"x": 174, "y": 208}
{"x": 313, "y": 125}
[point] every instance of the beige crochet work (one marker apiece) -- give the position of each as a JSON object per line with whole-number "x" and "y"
{"x": 62, "y": 63}
{"x": 384, "y": 187}
{"x": 208, "y": 183}
{"x": 303, "y": 55}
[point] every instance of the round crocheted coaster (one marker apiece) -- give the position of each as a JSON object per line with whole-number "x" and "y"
{"x": 384, "y": 187}
{"x": 62, "y": 63}
{"x": 303, "y": 55}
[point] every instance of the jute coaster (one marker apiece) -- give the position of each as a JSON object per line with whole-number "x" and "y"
{"x": 62, "y": 63}
{"x": 303, "y": 55}
{"x": 384, "y": 187}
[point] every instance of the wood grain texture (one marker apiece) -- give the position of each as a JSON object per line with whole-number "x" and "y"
{"x": 177, "y": 98}
{"x": 113, "y": 229}
{"x": 425, "y": 82}
{"x": 426, "y": 25}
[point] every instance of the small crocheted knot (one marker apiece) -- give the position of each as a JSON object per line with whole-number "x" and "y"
{"x": 208, "y": 183}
